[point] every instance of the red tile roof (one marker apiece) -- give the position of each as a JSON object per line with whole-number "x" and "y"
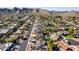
{"x": 63, "y": 45}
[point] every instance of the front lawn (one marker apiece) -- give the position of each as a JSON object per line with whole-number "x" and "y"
{"x": 68, "y": 36}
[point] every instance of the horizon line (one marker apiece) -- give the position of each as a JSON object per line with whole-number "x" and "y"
{"x": 50, "y": 8}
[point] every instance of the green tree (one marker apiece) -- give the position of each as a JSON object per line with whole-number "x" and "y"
{"x": 71, "y": 30}
{"x": 10, "y": 39}
{"x": 50, "y": 44}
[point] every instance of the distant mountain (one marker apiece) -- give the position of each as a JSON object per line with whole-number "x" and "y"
{"x": 39, "y": 11}
{"x": 15, "y": 9}
{"x": 52, "y": 11}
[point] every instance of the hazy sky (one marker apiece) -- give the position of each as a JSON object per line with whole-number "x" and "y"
{"x": 57, "y": 5}
{"x": 63, "y": 8}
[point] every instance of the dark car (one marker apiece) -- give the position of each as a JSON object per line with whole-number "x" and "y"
{"x": 25, "y": 38}
{"x": 55, "y": 48}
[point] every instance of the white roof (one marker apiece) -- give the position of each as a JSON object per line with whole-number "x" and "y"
{"x": 3, "y": 30}
{"x": 18, "y": 31}
{"x": 8, "y": 44}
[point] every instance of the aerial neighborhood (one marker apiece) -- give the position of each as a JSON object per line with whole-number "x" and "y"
{"x": 35, "y": 29}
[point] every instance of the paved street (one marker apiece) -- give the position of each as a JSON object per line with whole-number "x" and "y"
{"x": 36, "y": 28}
{"x": 25, "y": 42}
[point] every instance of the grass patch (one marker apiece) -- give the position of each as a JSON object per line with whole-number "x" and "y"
{"x": 68, "y": 36}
